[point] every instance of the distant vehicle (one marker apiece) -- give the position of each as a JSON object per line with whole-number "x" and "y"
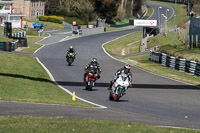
{"x": 37, "y": 25}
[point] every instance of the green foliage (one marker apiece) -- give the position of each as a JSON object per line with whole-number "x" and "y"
{"x": 29, "y": 32}
{"x": 78, "y": 21}
{"x": 106, "y": 9}
{"x": 43, "y": 18}
{"x": 90, "y": 10}
{"x": 54, "y": 19}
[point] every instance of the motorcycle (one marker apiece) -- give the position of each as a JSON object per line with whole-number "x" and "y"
{"x": 119, "y": 87}
{"x": 70, "y": 58}
{"x": 91, "y": 78}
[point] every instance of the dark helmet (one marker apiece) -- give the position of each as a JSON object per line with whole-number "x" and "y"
{"x": 127, "y": 68}
{"x": 94, "y": 61}
{"x": 71, "y": 48}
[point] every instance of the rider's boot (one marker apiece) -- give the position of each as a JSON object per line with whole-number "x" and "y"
{"x": 110, "y": 86}
{"x": 84, "y": 77}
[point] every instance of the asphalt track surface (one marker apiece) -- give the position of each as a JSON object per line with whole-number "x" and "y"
{"x": 152, "y": 99}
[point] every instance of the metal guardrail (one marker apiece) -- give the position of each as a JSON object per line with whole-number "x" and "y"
{"x": 180, "y": 64}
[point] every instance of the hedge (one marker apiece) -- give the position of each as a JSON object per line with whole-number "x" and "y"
{"x": 54, "y": 19}
{"x": 78, "y": 21}
{"x": 57, "y": 19}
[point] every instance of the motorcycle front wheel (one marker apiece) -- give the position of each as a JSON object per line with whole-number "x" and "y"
{"x": 119, "y": 94}
{"x": 91, "y": 85}
{"x": 111, "y": 97}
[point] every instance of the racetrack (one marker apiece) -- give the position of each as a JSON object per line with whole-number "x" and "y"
{"x": 151, "y": 100}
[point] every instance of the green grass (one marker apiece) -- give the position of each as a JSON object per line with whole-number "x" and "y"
{"x": 149, "y": 13}
{"x": 2, "y": 38}
{"x": 167, "y": 46}
{"x": 23, "y": 79}
{"x": 1, "y": 30}
{"x": 28, "y": 31}
{"x": 31, "y": 32}
{"x": 49, "y": 25}
{"x": 124, "y": 21}
{"x": 31, "y": 45}
{"x": 5, "y": 39}
{"x": 129, "y": 44}
{"x": 29, "y": 124}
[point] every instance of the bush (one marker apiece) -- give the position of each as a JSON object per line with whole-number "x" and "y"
{"x": 43, "y": 18}
{"x": 78, "y": 21}
{"x": 54, "y": 19}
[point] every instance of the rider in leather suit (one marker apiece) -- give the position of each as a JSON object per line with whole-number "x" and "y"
{"x": 71, "y": 50}
{"x": 125, "y": 70}
{"x": 92, "y": 63}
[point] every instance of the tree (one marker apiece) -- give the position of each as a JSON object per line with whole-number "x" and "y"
{"x": 106, "y": 9}
{"x": 51, "y": 6}
{"x": 137, "y": 6}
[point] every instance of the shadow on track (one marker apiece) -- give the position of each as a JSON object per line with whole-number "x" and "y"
{"x": 81, "y": 84}
{"x": 163, "y": 86}
{"x": 136, "y": 86}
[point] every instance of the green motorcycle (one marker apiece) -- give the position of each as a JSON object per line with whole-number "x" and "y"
{"x": 70, "y": 58}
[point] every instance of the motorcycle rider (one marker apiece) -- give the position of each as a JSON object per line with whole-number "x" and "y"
{"x": 71, "y": 50}
{"x": 125, "y": 70}
{"x": 93, "y": 63}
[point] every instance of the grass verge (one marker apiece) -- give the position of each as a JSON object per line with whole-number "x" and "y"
{"x": 32, "y": 47}
{"x": 125, "y": 45}
{"x": 24, "y": 124}
{"x": 149, "y": 13}
{"x": 49, "y": 25}
{"x": 23, "y": 79}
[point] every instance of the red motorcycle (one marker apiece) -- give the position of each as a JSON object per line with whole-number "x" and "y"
{"x": 91, "y": 78}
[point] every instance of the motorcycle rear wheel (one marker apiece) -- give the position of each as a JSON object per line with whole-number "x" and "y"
{"x": 91, "y": 85}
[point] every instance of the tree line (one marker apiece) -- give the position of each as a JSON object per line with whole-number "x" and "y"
{"x": 110, "y": 10}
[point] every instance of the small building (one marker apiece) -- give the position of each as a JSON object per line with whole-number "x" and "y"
{"x": 32, "y": 9}
{"x": 7, "y": 15}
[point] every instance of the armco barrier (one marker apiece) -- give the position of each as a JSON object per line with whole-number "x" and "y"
{"x": 176, "y": 63}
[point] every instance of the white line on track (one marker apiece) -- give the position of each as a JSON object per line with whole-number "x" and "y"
{"x": 66, "y": 90}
